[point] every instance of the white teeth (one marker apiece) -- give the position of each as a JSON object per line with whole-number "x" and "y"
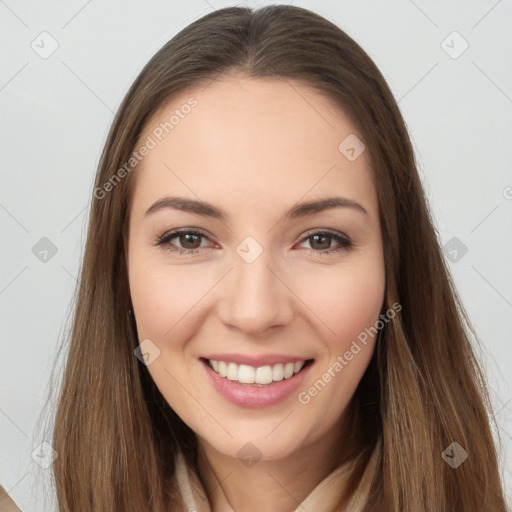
{"x": 277, "y": 372}
{"x": 232, "y": 373}
{"x": 288, "y": 370}
{"x": 246, "y": 374}
{"x": 262, "y": 375}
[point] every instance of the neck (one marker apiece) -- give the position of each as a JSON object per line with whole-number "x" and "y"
{"x": 272, "y": 485}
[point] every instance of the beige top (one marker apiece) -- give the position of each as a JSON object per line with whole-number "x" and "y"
{"x": 6, "y": 503}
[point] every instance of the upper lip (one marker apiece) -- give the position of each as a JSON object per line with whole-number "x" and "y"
{"x": 256, "y": 361}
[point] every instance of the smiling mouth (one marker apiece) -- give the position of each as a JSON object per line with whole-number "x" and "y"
{"x": 261, "y": 376}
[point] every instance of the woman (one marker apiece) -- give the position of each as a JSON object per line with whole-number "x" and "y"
{"x": 264, "y": 316}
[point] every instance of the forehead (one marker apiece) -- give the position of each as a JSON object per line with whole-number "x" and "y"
{"x": 264, "y": 140}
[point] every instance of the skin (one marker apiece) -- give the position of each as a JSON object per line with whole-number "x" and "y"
{"x": 256, "y": 147}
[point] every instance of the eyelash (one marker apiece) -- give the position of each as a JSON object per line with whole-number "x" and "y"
{"x": 345, "y": 244}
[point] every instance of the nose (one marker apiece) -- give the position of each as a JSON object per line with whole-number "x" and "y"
{"x": 255, "y": 297}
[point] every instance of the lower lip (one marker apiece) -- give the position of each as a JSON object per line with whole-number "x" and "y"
{"x": 253, "y": 396}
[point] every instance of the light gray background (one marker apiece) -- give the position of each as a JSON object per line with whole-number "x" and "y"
{"x": 56, "y": 112}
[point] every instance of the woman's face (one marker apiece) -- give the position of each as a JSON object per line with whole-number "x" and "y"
{"x": 255, "y": 280}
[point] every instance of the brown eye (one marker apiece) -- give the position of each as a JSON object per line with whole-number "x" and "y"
{"x": 185, "y": 241}
{"x": 320, "y": 242}
{"x": 190, "y": 240}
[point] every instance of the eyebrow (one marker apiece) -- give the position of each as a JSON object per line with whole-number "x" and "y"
{"x": 208, "y": 210}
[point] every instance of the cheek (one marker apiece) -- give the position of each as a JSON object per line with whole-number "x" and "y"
{"x": 349, "y": 304}
{"x": 346, "y": 301}
{"x": 163, "y": 298}
{"x": 152, "y": 300}
{"x": 356, "y": 308}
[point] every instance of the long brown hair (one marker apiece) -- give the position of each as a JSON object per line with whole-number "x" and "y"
{"x": 115, "y": 434}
